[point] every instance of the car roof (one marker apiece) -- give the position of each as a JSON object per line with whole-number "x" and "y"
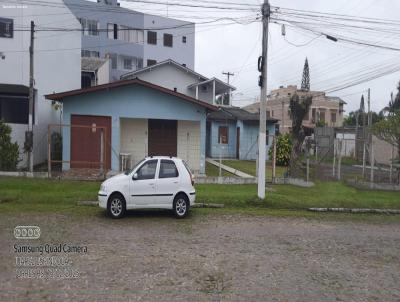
{"x": 162, "y": 157}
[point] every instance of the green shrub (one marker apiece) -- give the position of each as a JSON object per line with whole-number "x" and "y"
{"x": 283, "y": 149}
{"x": 9, "y": 152}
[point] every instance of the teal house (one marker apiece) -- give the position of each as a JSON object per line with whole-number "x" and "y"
{"x": 232, "y": 132}
{"x": 115, "y": 125}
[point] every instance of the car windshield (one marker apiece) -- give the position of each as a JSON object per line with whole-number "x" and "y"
{"x": 129, "y": 171}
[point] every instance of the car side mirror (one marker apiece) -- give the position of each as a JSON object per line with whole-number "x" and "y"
{"x": 135, "y": 176}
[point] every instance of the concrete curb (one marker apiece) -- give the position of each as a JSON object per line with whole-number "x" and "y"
{"x": 355, "y": 210}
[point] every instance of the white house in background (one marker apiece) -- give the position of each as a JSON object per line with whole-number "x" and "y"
{"x": 57, "y": 67}
{"x": 180, "y": 78}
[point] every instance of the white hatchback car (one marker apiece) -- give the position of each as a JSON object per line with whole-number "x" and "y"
{"x": 156, "y": 182}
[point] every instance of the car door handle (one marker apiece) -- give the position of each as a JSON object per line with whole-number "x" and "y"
{"x": 151, "y": 184}
{"x": 175, "y": 182}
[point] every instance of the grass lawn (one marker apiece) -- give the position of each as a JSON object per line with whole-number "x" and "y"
{"x": 21, "y": 195}
{"x": 249, "y": 167}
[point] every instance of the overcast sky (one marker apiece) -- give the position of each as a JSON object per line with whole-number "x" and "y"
{"x": 236, "y": 48}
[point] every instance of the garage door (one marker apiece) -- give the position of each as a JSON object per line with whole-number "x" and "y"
{"x": 162, "y": 137}
{"x": 86, "y": 142}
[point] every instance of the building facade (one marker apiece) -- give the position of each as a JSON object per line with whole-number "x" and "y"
{"x": 135, "y": 119}
{"x": 132, "y": 40}
{"x": 324, "y": 110}
{"x": 57, "y": 67}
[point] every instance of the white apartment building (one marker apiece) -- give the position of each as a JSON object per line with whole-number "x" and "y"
{"x": 57, "y": 67}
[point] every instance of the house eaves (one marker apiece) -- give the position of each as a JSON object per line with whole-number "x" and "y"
{"x": 123, "y": 83}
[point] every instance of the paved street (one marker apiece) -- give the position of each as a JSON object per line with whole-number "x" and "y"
{"x": 154, "y": 257}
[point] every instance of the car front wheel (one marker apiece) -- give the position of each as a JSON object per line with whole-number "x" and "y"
{"x": 181, "y": 206}
{"x": 116, "y": 206}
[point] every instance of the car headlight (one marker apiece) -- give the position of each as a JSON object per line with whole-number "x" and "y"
{"x": 103, "y": 188}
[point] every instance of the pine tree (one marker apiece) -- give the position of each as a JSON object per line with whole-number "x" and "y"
{"x": 305, "y": 82}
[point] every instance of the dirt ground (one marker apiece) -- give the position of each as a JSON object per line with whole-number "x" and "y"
{"x": 154, "y": 257}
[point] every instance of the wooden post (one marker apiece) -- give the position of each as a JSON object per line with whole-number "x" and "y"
{"x": 391, "y": 167}
{"x": 334, "y": 157}
{"x": 49, "y": 151}
{"x": 339, "y": 159}
{"x": 274, "y": 160}
{"x": 372, "y": 166}
{"x": 364, "y": 158}
{"x": 101, "y": 150}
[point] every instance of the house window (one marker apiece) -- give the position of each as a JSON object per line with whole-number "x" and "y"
{"x": 6, "y": 28}
{"x": 322, "y": 115}
{"x": 90, "y": 53}
{"x": 267, "y": 137}
{"x": 168, "y": 40}
{"x": 14, "y": 109}
{"x": 152, "y": 37}
{"x": 313, "y": 114}
{"x": 89, "y": 27}
{"x": 223, "y": 135}
{"x": 184, "y": 39}
{"x": 151, "y": 62}
{"x": 114, "y": 61}
{"x": 333, "y": 116}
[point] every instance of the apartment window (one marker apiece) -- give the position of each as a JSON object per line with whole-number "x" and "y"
{"x": 139, "y": 63}
{"x": 90, "y": 53}
{"x": 112, "y": 31}
{"x": 6, "y": 28}
{"x": 151, "y": 62}
{"x": 131, "y": 35}
{"x": 184, "y": 39}
{"x": 14, "y": 109}
{"x": 223, "y": 135}
{"x": 152, "y": 37}
{"x": 128, "y": 63}
{"x": 89, "y": 27}
{"x": 168, "y": 40}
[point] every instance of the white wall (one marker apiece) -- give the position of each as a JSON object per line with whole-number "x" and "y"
{"x": 169, "y": 76}
{"x": 189, "y": 144}
{"x": 56, "y": 62}
{"x": 183, "y": 53}
{"x": 134, "y": 138}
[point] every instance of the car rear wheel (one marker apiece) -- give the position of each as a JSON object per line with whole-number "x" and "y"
{"x": 181, "y": 206}
{"x": 116, "y": 206}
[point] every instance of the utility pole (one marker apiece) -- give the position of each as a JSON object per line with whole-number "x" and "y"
{"x": 29, "y": 134}
{"x": 262, "y": 67}
{"x": 228, "y": 75}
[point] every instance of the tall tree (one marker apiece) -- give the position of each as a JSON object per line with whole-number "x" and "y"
{"x": 299, "y": 107}
{"x": 305, "y": 81}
